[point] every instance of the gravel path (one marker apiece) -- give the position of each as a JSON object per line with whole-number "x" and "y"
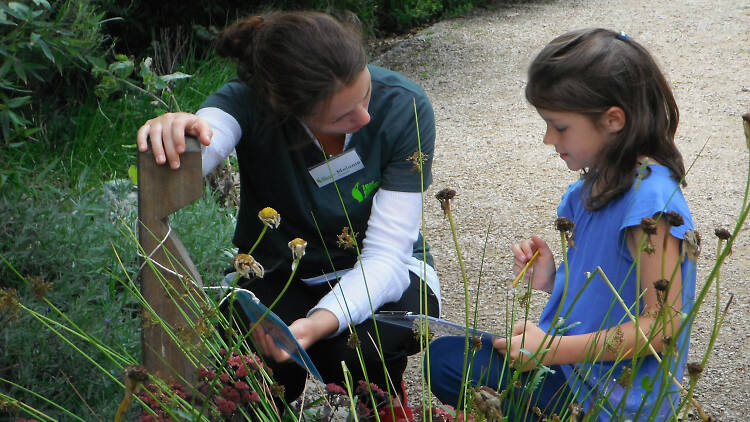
{"x": 489, "y": 149}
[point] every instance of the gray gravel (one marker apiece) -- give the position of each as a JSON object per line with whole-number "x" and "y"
{"x": 489, "y": 150}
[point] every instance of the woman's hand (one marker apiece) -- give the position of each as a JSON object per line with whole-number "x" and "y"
{"x": 307, "y": 331}
{"x": 544, "y": 265}
{"x": 532, "y": 337}
{"x": 167, "y": 136}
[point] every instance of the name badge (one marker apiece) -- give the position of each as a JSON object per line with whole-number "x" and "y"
{"x": 336, "y": 168}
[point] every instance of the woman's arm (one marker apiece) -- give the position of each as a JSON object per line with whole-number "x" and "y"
{"x": 659, "y": 321}
{"x": 392, "y": 229}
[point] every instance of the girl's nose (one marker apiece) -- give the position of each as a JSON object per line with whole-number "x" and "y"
{"x": 549, "y": 137}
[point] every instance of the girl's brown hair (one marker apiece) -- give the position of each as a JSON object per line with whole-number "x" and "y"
{"x": 295, "y": 60}
{"x": 588, "y": 71}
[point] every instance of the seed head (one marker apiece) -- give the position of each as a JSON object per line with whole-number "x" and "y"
{"x": 674, "y": 219}
{"x": 445, "y": 196}
{"x": 270, "y": 217}
{"x": 562, "y": 224}
{"x": 277, "y": 390}
{"x": 39, "y": 287}
{"x": 476, "y": 343}
{"x": 136, "y": 373}
{"x": 353, "y": 340}
{"x": 694, "y": 369}
{"x": 692, "y": 244}
{"x": 661, "y": 285}
{"x": 10, "y": 306}
{"x": 722, "y": 233}
{"x": 418, "y": 159}
{"x": 244, "y": 264}
{"x": 648, "y": 225}
{"x": 346, "y": 239}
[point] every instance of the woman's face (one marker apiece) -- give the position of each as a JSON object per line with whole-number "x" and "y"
{"x": 346, "y": 111}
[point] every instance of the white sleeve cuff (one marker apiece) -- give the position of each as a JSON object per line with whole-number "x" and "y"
{"x": 227, "y": 134}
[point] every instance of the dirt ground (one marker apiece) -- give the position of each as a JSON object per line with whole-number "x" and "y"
{"x": 489, "y": 150}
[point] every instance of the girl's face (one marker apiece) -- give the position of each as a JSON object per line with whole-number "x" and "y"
{"x": 575, "y": 137}
{"x": 346, "y": 111}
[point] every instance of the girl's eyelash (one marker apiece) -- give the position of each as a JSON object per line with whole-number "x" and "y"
{"x": 560, "y": 129}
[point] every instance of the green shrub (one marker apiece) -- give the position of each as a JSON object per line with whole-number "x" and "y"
{"x": 44, "y": 48}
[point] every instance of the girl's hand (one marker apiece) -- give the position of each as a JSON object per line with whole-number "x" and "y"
{"x": 167, "y": 136}
{"x": 544, "y": 265}
{"x": 532, "y": 337}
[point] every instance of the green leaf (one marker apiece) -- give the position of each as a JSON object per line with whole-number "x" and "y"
{"x": 19, "y": 10}
{"x": 174, "y": 76}
{"x": 18, "y": 101}
{"x": 122, "y": 69}
{"x": 133, "y": 174}
{"x": 45, "y": 49}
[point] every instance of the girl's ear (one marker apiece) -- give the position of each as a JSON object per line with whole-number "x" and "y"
{"x": 613, "y": 120}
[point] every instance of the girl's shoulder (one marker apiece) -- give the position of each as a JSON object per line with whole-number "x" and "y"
{"x": 655, "y": 191}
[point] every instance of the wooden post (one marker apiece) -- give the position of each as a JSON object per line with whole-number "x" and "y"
{"x": 162, "y": 191}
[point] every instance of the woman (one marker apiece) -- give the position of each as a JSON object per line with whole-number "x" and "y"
{"x": 306, "y": 110}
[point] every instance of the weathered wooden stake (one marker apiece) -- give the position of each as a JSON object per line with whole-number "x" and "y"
{"x": 162, "y": 191}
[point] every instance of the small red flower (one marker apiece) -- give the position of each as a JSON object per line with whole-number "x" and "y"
{"x": 224, "y": 377}
{"x": 241, "y": 385}
{"x": 333, "y": 388}
{"x": 226, "y": 407}
{"x": 241, "y": 372}
{"x": 230, "y": 393}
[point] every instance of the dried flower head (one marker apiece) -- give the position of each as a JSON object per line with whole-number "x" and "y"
{"x": 136, "y": 373}
{"x": 488, "y": 401}
{"x": 297, "y": 247}
{"x": 270, "y": 217}
{"x": 694, "y": 369}
{"x": 692, "y": 244}
{"x": 244, "y": 264}
{"x": 353, "y": 341}
{"x": 333, "y": 388}
{"x": 476, "y": 343}
{"x": 346, "y": 239}
{"x": 674, "y": 219}
{"x": 418, "y": 159}
{"x": 10, "y": 306}
{"x": 277, "y": 390}
{"x": 148, "y": 319}
{"x": 746, "y": 126}
{"x": 626, "y": 376}
{"x": 564, "y": 225}
{"x": 648, "y": 225}
{"x": 39, "y": 287}
{"x": 445, "y": 196}
{"x": 722, "y": 233}
{"x": 661, "y": 285}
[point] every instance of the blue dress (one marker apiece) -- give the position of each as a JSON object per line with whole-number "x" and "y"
{"x": 600, "y": 240}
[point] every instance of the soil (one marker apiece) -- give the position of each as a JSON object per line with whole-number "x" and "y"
{"x": 489, "y": 150}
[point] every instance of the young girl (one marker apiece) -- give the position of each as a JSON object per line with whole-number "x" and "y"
{"x": 304, "y": 89}
{"x": 611, "y": 115}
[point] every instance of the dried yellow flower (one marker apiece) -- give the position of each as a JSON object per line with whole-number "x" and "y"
{"x": 346, "y": 239}
{"x": 270, "y": 217}
{"x": 244, "y": 264}
{"x": 297, "y": 246}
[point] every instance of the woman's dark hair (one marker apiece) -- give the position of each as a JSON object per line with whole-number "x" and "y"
{"x": 588, "y": 71}
{"x": 295, "y": 60}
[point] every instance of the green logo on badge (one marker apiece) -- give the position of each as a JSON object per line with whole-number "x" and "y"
{"x": 360, "y": 192}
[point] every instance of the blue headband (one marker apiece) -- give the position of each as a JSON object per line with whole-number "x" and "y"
{"x": 623, "y": 36}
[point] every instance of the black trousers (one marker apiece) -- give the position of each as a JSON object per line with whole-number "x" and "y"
{"x": 397, "y": 342}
